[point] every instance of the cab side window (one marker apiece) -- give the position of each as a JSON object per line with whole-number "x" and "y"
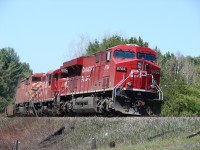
{"x": 108, "y": 56}
{"x": 49, "y": 79}
{"x": 97, "y": 58}
{"x": 55, "y": 76}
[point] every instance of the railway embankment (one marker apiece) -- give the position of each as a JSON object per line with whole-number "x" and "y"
{"x": 99, "y": 133}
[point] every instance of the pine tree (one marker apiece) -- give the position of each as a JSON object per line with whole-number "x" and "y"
{"x": 11, "y": 71}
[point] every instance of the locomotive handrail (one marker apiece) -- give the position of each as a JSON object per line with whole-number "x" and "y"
{"x": 120, "y": 83}
{"x": 160, "y": 93}
{"x": 32, "y": 105}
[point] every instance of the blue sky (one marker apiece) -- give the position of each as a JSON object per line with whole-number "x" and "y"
{"x": 45, "y": 33}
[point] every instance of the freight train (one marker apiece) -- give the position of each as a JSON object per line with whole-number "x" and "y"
{"x": 120, "y": 80}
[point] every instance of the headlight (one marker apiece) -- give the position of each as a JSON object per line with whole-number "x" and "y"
{"x": 129, "y": 84}
{"x": 139, "y": 65}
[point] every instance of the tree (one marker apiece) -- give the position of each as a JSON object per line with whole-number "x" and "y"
{"x": 108, "y": 42}
{"x": 11, "y": 71}
{"x": 93, "y": 47}
{"x": 179, "y": 76}
{"x": 79, "y": 47}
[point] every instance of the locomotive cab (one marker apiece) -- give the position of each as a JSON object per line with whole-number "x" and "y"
{"x": 136, "y": 80}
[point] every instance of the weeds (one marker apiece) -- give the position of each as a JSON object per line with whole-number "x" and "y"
{"x": 78, "y": 133}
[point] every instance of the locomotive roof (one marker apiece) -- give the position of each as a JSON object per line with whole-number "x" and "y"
{"x": 73, "y": 62}
{"x": 134, "y": 48}
{"x": 35, "y": 75}
{"x": 38, "y": 74}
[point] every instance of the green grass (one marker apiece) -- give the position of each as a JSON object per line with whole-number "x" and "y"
{"x": 178, "y": 143}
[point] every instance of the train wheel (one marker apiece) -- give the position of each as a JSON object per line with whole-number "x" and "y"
{"x": 149, "y": 111}
{"x": 154, "y": 108}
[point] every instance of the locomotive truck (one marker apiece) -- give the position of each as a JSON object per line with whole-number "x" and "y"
{"x": 120, "y": 80}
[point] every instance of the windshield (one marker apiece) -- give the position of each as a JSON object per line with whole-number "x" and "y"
{"x": 124, "y": 54}
{"x": 145, "y": 56}
{"x": 36, "y": 79}
{"x": 64, "y": 75}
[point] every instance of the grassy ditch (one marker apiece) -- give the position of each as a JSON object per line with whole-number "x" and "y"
{"x": 79, "y": 133}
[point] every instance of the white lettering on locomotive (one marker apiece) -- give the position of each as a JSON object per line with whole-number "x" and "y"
{"x": 155, "y": 72}
{"x": 64, "y": 70}
{"x": 134, "y": 73}
{"x": 66, "y": 84}
{"x": 87, "y": 69}
{"x": 85, "y": 78}
{"x": 106, "y": 67}
{"x": 120, "y": 68}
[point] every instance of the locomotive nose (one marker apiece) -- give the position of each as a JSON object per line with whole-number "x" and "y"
{"x": 143, "y": 75}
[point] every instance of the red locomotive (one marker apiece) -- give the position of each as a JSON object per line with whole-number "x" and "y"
{"x": 122, "y": 79}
